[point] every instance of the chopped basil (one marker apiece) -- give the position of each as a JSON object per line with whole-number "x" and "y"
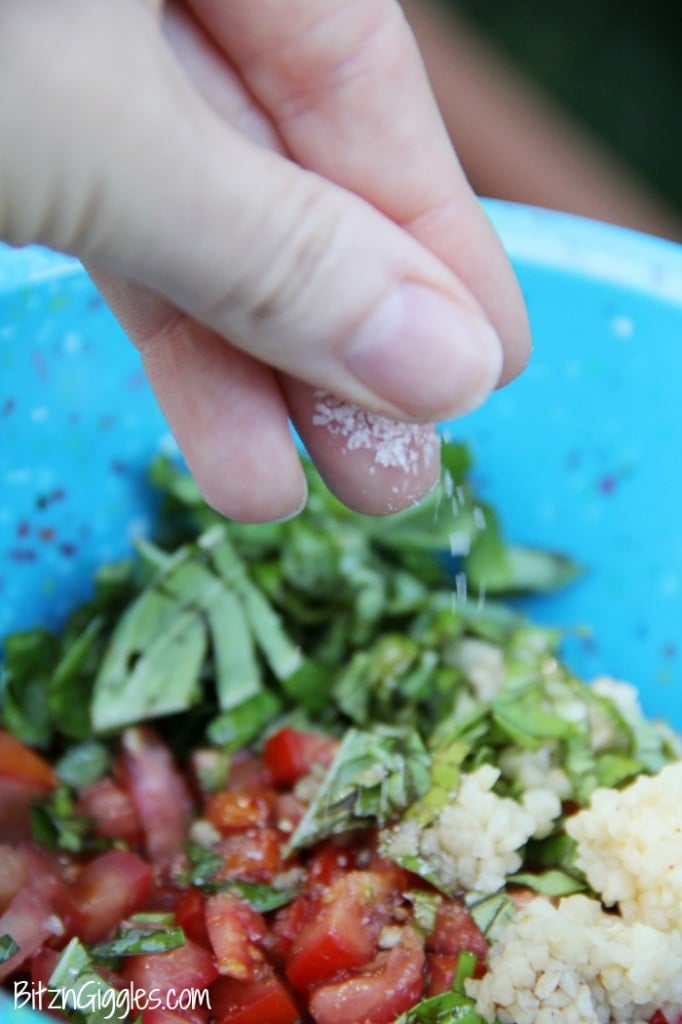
{"x": 453, "y": 1007}
{"x": 131, "y": 941}
{"x": 204, "y": 864}
{"x": 239, "y": 727}
{"x": 28, "y": 660}
{"x": 348, "y": 624}
{"x": 57, "y": 824}
{"x": 490, "y": 911}
{"x": 448, "y": 1008}
{"x": 83, "y": 763}
{"x": 8, "y": 947}
{"x": 152, "y": 919}
{"x": 425, "y": 906}
{"x": 374, "y": 776}
{"x": 549, "y": 883}
{"x": 84, "y": 995}
{"x": 262, "y": 898}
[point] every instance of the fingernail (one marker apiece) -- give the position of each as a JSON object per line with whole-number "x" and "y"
{"x": 295, "y": 511}
{"x": 425, "y": 355}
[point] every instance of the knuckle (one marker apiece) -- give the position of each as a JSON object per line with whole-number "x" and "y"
{"x": 348, "y": 44}
{"x": 283, "y": 279}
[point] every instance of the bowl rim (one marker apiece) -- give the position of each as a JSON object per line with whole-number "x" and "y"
{"x": 531, "y": 235}
{"x": 579, "y": 246}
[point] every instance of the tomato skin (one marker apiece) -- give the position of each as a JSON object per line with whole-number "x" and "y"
{"x": 247, "y": 771}
{"x": 161, "y": 1015}
{"x": 287, "y": 812}
{"x": 330, "y": 861}
{"x": 17, "y": 761}
{"x": 254, "y": 855}
{"x": 441, "y": 972}
{"x": 287, "y": 926}
{"x": 289, "y": 754}
{"x": 13, "y": 872}
{"x": 159, "y": 793}
{"x": 31, "y": 922}
{"x": 109, "y": 888}
{"x": 24, "y": 778}
{"x": 236, "y": 811}
{"x": 190, "y": 914}
{"x": 163, "y": 975}
{"x": 456, "y": 931}
{"x": 234, "y": 930}
{"x": 343, "y": 933}
{"x": 112, "y": 809}
{"x": 263, "y": 1000}
{"x": 379, "y": 992}
{"x": 27, "y": 864}
{"x": 43, "y": 963}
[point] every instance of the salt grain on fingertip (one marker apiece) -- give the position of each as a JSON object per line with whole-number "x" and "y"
{"x": 396, "y": 445}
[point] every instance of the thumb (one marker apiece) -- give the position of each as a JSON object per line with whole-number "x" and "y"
{"x": 121, "y": 163}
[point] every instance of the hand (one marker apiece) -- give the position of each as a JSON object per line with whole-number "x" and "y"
{"x": 265, "y": 194}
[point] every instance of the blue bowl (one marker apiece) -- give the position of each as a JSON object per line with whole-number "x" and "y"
{"x": 581, "y": 454}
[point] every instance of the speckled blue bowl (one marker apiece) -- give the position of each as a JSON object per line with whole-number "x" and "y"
{"x": 582, "y": 453}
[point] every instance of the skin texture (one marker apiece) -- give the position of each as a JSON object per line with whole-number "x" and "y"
{"x": 266, "y": 196}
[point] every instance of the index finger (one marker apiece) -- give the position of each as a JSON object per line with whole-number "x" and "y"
{"x": 345, "y": 86}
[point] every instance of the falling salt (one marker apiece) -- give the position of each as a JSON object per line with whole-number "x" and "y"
{"x": 461, "y": 588}
{"x": 460, "y": 542}
{"x": 479, "y": 517}
{"x": 396, "y": 445}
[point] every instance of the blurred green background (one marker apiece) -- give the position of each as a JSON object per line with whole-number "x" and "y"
{"x": 616, "y": 65}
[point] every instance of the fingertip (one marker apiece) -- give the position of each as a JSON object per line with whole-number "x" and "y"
{"x": 429, "y": 356}
{"x": 373, "y": 464}
{"x": 259, "y": 492}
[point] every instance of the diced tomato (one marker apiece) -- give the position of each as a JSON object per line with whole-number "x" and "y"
{"x": 43, "y": 963}
{"x": 190, "y": 967}
{"x": 289, "y": 754}
{"x": 28, "y": 864}
{"x": 379, "y": 992}
{"x": 456, "y": 931}
{"x": 190, "y": 915}
{"x": 660, "y": 1018}
{"x": 343, "y": 933}
{"x": 336, "y": 857}
{"x": 162, "y": 1015}
{"x": 24, "y": 778}
{"x": 109, "y": 888}
{"x": 159, "y": 793}
{"x": 247, "y": 771}
{"x": 288, "y": 812}
{"x": 13, "y": 872}
{"x": 253, "y": 855}
{"x": 288, "y": 924}
{"x": 330, "y": 861}
{"x": 400, "y": 878}
{"x": 234, "y": 930}
{"x": 233, "y": 812}
{"x": 17, "y": 761}
{"x": 263, "y": 1000}
{"x": 441, "y": 972}
{"x": 112, "y": 809}
{"x": 30, "y": 921}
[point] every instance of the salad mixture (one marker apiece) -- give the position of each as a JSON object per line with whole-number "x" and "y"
{"x": 317, "y": 772}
